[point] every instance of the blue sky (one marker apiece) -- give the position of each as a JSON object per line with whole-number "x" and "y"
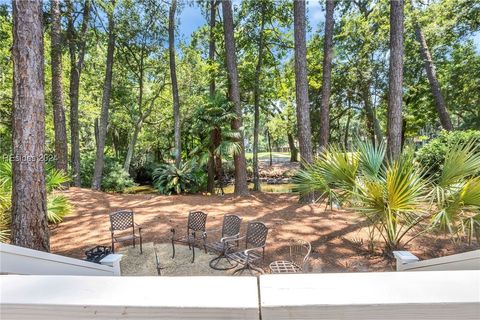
{"x": 191, "y": 18}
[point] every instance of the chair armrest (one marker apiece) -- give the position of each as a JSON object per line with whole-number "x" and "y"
{"x": 138, "y": 226}
{"x": 247, "y": 252}
{"x": 232, "y": 239}
{"x": 235, "y": 237}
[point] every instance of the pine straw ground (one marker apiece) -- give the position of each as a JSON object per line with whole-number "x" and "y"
{"x": 339, "y": 238}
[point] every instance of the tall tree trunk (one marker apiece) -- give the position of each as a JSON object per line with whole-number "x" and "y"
{"x": 29, "y": 197}
{"x": 301, "y": 87}
{"x": 61, "y": 147}
{"x": 269, "y": 138}
{"x": 173, "y": 76}
{"x": 347, "y": 128}
{"x": 293, "y": 148}
{"x": 433, "y": 80}
{"x": 131, "y": 145}
{"x": 76, "y": 44}
{"x": 211, "y": 59}
{"x": 107, "y": 89}
{"x": 373, "y": 125}
{"x": 327, "y": 76}
{"x": 396, "y": 80}
{"x": 301, "y": 83}
{"x": 256, "y": 101}
{"x": 241, "y": 187}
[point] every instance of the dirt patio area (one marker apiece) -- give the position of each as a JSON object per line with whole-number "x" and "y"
{"x": 338, "y": 237}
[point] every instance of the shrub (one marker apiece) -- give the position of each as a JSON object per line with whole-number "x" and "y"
{"x": 114, "y": 178}
{"x": 432, "y": 155}
{"x": 58, "y": 206}
{"x": 169, "y": 179}
{"x": 395, "y": 196}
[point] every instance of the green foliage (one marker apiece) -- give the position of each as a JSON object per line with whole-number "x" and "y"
{"x": 396, "y": 197}
{"x": 58, "y": 206}
{"x": 114, "y": 177}
{"x": 432, "y": 155}
{"x": 169, "y": 179}
{"x": 393, "y": 200}
{"x": 456, "y": 193}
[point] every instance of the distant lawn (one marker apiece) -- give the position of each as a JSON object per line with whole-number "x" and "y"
{"x": 266, "y": 155}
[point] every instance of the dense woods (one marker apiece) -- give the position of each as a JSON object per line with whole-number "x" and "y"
{"x": 128, "y": 99}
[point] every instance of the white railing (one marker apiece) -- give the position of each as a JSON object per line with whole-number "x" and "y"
{"x": 18, "y": 260}
{"x": 66, "y": 297}
{"x": 361, "y": 296}
{"x": 461, "y": 261}
{"x": 388, "y": 295}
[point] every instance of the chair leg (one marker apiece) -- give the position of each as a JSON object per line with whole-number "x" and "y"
{"x": 173, "y": 249}
{"x": 134, "y": 241}
{"x": 141, "y": 249}
{"x": 113, "y": 246}
{"x": 193, "y": 247}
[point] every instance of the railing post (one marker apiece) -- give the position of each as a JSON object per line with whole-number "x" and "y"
{"x": 113, "y": 260}
{"x": 404, "y": 257}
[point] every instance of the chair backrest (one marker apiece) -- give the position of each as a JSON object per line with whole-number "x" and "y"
{"x": 121, "y": 220}
{"x": 231, "y": 225}
{"x": 197, "y": 220}
{"x": 256, "y": 234}
{"x": 300, "y": 251}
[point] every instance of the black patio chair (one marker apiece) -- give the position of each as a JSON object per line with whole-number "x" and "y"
{"x": 255, "y": 241}
{"x": 230, "y": 231}
{"x": 298, "y": 254}
{"x": 195, "y": 224}
{"x": 124, "y": 220}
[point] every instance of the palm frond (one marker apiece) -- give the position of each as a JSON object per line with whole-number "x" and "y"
{"x": 58, "y": 206}
{"x": 371, "y": 157}
{"x": 462, "y": 161}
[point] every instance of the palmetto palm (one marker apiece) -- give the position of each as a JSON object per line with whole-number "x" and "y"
{"x": 456, "y": 194}
{"x": 393, "y": 200}
{"x": 58, "y": 206}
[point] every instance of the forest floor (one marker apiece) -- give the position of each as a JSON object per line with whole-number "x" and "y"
{"x": 339, "y": 238}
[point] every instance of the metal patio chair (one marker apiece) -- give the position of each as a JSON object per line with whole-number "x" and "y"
{"x": 298, "y": 255}
{"x": 255, "y": 241}
{"x": 124, "y": 220}
{"x": 195, "y": 224}
{"x": 230, "y": 231}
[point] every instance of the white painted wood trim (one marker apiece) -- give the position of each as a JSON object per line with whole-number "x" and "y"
{"x": 71, "y": 297}
{"x": 19, "y": 260}
{"x": 461, "y": 261}
{"x": 388, "y": 295}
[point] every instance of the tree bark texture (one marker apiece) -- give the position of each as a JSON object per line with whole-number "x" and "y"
{"x": 241, "y": 187}
{"x": 293, "y": 148}
{"x": 173, "y": 77}
{"x": 327, "y": 76}
{"x": 395, "y": 79}
{"x": 301, "y": 83}
{"x": 107, "y": 89}
{"x": 440, "y": 104}
{"x": 211, "y": 58}
{"x": 76, "y": 42}
{"x": 256, "y": 101}
{"x": 61, "y": 146}
{"x": 29, "y": 198}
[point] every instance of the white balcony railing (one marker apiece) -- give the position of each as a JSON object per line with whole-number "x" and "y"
{"x": 461, "y": 261}
{"x": 387, "y": 295}
{"x": 18, "y": 260}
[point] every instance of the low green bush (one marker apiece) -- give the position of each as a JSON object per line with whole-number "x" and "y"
{"x": 58, "y": 206}
{"x": 114, "y": 178}
{"x": 432, "y": 155}
{"x": 189, "y": 178}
